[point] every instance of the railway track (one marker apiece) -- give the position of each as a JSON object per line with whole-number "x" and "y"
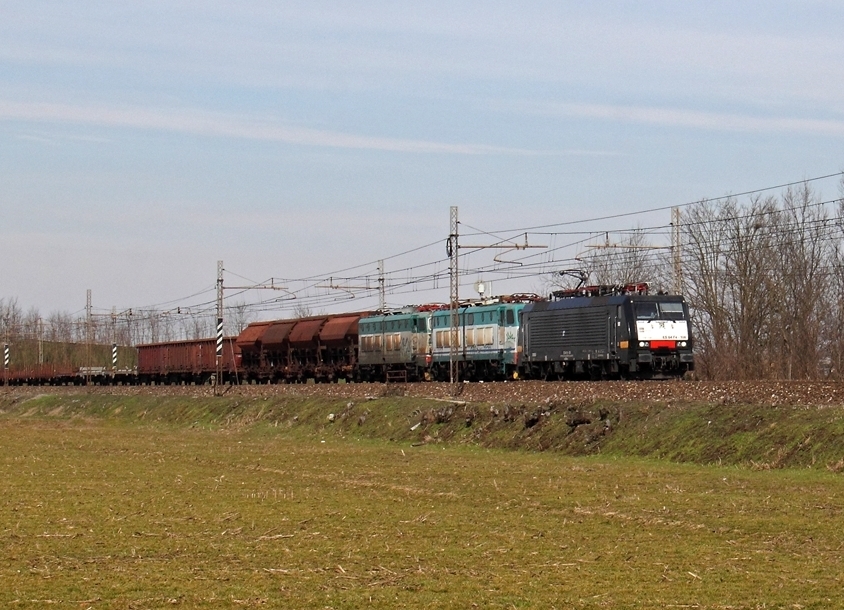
{"x": 772, "y": 393}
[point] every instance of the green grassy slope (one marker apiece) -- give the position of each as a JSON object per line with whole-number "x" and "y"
{"x": 759, "y": 437}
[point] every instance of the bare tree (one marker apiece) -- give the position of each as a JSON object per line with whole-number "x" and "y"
{"x": 764, "y": 280}
{"x": 750, "y": 279}
{"x": 803, "y": 242}
{"x": 199, "y": 327}
{"x": 239, "y": 318}
{"x": 302, "y": 311}
{"x": 11, "y": 316}
{"x": 59, "y": 327}
{"x": 728, "y": 256}
{"x": 834, "y": 321}
{"x": 704, "y": 260}
{"x": 632, "y": 259}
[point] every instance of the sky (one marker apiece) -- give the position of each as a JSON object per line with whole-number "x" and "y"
{"x": 141, "y": 142}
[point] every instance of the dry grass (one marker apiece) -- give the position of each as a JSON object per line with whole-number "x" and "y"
{"x": 98, "y": 515}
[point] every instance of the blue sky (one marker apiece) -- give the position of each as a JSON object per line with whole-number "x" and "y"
{"x": 141, "y": 142}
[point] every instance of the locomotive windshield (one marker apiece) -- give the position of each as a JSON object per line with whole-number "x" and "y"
{"x": 659, "y": 311}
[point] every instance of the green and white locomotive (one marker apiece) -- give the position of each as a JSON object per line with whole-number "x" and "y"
{"x": 396, "y": 345}
{"x": 485, "y": 339}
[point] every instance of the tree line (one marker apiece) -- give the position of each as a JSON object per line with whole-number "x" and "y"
{"x": 125, "y": 328}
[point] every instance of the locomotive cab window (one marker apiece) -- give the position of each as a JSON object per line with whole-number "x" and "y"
{"x": 659, "y": 311}
{"x": 646, "y": 311}
{"x": 671, "y": 311}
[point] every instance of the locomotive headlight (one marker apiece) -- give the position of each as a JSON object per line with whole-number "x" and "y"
{"x": 681, "y": 344}
{"x": 643, "y": 344}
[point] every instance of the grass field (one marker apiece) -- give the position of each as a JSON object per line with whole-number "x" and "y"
{"x": 97, "y": 513}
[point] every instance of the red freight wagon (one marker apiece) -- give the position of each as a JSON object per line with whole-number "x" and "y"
{"x": 191, "y": 361}
{"x": 34, "y": 362}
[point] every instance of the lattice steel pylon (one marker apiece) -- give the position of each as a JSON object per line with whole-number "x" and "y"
{"x": 452, "y": 249}
{"x": 88, "y": 333}
{"x": 219, "y": 373}
{"x": 677, "y": 250}
{"x": 453, "y": 303}
{"x": 382, "y": 294}
{"x": 220, "y": 322}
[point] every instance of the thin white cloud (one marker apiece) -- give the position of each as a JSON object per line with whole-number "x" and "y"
{"x": 57, "y": 139}
{"x": 219, "y": 125}
{"x": 36, "y": 138}
{"x": 678, "y": 117}
{"x": 717, "y": 53}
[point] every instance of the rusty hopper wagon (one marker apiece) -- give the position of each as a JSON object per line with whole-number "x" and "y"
{"x": 323, "y": 348}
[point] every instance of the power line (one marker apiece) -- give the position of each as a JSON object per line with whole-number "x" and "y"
{"x": 418, "y": 274}
{"x": 668, "y": 207}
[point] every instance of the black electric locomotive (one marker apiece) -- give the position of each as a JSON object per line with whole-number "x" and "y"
{"x": 606, "y": 332}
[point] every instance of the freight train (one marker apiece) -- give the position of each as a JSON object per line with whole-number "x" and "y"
{"x": 591, "y": 332}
